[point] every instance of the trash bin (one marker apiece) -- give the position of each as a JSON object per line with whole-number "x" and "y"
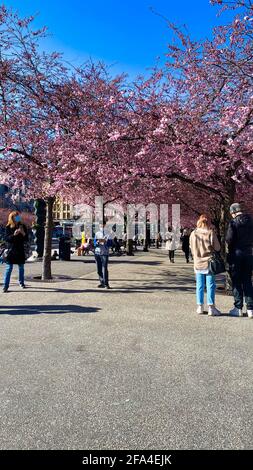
{"x": 64, "y": 248}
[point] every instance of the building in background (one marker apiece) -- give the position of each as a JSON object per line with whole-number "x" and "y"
{"x": 62, "y": 211}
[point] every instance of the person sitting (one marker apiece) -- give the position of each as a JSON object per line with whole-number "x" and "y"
{"x": 116, "y": 246}
{"x": 54, "y": 256}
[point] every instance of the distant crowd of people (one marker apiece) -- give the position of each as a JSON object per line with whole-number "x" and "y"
{"x": 201, "y": 244}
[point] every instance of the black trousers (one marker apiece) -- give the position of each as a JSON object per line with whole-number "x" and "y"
{"x": 171, "y": 255}
{"x": 187, "y": 254}
{"x": 240, "y": 270}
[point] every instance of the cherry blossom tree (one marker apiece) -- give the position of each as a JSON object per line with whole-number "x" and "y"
{"x": 182, "y": 135}
{"x": 56, "y": 124}
{"x": 30, "y": 82}
{"x": 193, "y": 121}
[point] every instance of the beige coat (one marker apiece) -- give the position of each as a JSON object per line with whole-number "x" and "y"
{"x": 203, "y": 242}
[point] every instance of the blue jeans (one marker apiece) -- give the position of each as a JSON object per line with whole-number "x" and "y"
{"x": 102, "y": 268}
{"x": 209, "y": 281}
{"x": 7, "y": 275}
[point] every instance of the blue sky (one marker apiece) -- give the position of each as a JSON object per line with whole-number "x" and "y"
{"x": 124, "y": 34}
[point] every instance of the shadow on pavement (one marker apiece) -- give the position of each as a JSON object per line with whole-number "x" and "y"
{"x": 115, "y": 289}
{"x": 168, "y": 283}
{"x": 129, "y": 260}
{"x": 46, "y": 309}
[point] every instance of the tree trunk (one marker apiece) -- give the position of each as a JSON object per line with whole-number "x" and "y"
{"x": 216, "y": 219}
{"x": 146, "y": 245}
{"x": 40, "y": 213}
{"x": 46, "y": 264}
{"x": 129, "y": 247}
{"x": 224, "y": 221}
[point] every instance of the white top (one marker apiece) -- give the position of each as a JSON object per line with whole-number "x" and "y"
{"x": 170, "y": 241}
{"x": 102, "y": 248}
{"x": 201, "y": 271}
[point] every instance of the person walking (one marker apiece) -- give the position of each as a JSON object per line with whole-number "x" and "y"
{"x": 15, "y": 235}
{"x": 186, "y": 244}
{"x": 159, "y": 240}
{"x": 203, "y": 242}
{"x": 170, "y": 244}
{"x": 102, "y": 243}
{"x": 124, "y": 241}
{"x": 135, "y": 241}
{"x": 239, "y": 239}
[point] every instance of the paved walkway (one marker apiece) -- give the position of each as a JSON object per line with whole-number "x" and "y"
{"x": 130, "y": 368}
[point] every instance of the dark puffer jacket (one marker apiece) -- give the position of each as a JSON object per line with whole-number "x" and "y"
{"x": 185, "y": 243}
{"x": 240, "y": 235}
{"x": 16, "y": 245}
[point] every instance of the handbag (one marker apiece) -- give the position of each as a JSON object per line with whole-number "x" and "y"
{"x": 216, "y": 263}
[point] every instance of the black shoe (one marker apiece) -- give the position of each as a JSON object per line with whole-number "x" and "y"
{"x": 23, "y": 286}
{"x": 101, "y": 286}
{"x": 108, "y": 287}
{"x": 5, "y": 290}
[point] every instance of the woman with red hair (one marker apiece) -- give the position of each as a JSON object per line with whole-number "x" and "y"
{"x": 203, "y": 242}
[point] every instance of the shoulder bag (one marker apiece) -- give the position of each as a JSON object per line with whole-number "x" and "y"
{"x": 216, "y": 263}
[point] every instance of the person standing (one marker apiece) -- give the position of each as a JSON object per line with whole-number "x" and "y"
{"x": 170, "y": 244}
{"x": 239, "y": 239}
{"x": 103, "y": 241}
{"x": 16, "y": 235}
{"x": 203, "y": 241}
{"x": 186, "y": 244}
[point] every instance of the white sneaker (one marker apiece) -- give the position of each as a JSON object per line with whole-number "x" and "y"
{"x": 200, "y": 309}
{"x": 213, "y": 311}
{"x": 250, "y": 313}
{"x": 236, "y": 312}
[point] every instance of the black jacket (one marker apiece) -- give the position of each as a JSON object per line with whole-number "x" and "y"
{"x": 240, "y": 235}
{"x": 15, "y": 243}
{"x": 185, "y": 243}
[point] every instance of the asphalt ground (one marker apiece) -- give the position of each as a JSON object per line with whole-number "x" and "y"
{"x": 130, "y": 368}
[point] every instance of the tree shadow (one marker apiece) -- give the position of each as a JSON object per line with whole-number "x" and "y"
{"x": 118, "y": 260}
{"x": 127, "y": 289}
{"x": 83, "y": 260}
{"x": 114, "y": 289}
{"x": 172, "y": 283}
{"x": 56, "y": 278}
{"x": 46, "y": 309}
{"x": 138, "y": 261}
